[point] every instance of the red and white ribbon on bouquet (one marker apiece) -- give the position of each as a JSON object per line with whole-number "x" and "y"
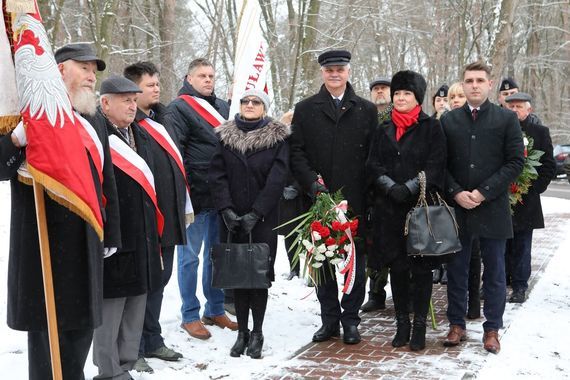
{"x": 348, "y": 266}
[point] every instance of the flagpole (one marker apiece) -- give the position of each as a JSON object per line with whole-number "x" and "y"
{"x": 51, "y": 314}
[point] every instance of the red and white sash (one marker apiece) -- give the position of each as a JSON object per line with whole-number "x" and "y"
{"x": 204, "y": 109}
{"x": 161, "y": 136}
{"x": 92, "y": 143}
{"x": 133, "y": 165}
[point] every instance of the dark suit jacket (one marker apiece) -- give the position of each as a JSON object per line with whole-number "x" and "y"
{"x": 487, "y": 155}
{"x": 170, "y": 185}
{"x": 528, "y": 214}
{"x": 136, "y": 267}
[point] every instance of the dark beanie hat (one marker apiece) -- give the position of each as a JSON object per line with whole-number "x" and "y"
{"x": 410, "y": 81}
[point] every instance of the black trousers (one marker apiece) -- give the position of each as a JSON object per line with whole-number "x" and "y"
{"x": 73, "y": 346}
{"x": 327, "y": 293}
{"x": 151, "y": 338}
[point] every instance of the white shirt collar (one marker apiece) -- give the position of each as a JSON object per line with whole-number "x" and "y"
{"x": 338, "y": 97}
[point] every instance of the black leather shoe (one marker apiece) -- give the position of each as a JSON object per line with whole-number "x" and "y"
{"x": 240, "y": 344}
{"x": 326, "y": 332}
{"x": 255, "y": 345}
{"x": 373, "y": 304}
{"x": 351, "y": 335}
{"x": 518, "y": 296}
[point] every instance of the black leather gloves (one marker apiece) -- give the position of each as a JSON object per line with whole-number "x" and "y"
{"x": 317, "y": 188}
{"x": 290, "y": 193}
{"x": 384, "y": 183}
{"x": 248, "y": 221}
{"x": 399, "y": 193}
{"x": 413, "y": 185}
{"x": 231, "y": 219}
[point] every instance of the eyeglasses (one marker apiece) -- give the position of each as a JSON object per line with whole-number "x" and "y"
{"x": 255, "y": 102}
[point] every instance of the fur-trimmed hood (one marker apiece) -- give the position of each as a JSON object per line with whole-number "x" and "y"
{"x": 262, "y": 138}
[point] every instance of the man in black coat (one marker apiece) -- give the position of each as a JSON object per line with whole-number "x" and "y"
{"x": 76, "y": 252}
{"x": 135, "y": 269}
{"x": 170, "y": 183}
{"x": 485, "y": 154}
{"x": 331, "y": 133}
{"x": 195, "y": 113}
{"x": 527, "y": 215}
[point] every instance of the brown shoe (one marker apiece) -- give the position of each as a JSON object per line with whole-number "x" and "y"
{"x": 456, "y": 335}
{"x": 491, "y": 341}
{"x": 221, "y": 321}
{"x": 196, "y": 329}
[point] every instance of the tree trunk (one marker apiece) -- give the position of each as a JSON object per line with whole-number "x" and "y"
{"x": 502, "y": 40}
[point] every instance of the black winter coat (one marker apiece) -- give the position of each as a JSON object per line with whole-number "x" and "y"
{"x": 487, "y": 155}
{"x": 528, "y": 214}
{"x": 169, "y": 182}
{"x": 248, "y": 172}
{"x": 197, "y": 142}
{"x": 421, "y": 148}
{"x": 76, "y": 252}
{"x": 136, "y": 268}
{"x": 333, "y": 143}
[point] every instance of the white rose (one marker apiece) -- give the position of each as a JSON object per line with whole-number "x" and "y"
{"x": 321, "y": 248}
{"x": 348, "y": 248}
{"x": 316, "y": 235}
{"x": 336, "y": 261}
{"x": 329, "y": 253}
{"x": 319, "y": 257}
{"x": 317, "y": 265}
{"x": 332, "y": 247}
{"x": 307, "y": 243}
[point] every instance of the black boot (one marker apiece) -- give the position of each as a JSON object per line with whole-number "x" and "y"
{"x": 436, "y": 275}
{"x": 443, "y": 279}
{"x": 377, "y": 294}
{"x": 240, "y": 344}
{"x": 403, "y": 330}
{"x": 418, "y": 341}
{"x": 255, "y": 345}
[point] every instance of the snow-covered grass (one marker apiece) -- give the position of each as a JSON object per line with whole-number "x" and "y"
{"x": 533, "y": 344}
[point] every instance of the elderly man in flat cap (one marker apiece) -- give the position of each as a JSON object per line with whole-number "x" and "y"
{"x": 527, "y": 214}
{"x": 135, "y": 269}
{"x": 77, "y": 253}
{"x": 329, "y": 145}
{"x": 509, "y": 87}
{"x": 380, "y": 96}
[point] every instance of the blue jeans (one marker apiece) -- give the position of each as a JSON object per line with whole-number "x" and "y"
{"x": 203, "y": 230}
{"x": 494, "y": 284}
{"x": 519, "y": 251}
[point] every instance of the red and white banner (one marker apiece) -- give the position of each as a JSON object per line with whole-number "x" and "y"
{"x": 251, "y": 63}
{"x": 133, "y": 165}
{"x": 161, "y": 136}
{"x": 56, "y": 156}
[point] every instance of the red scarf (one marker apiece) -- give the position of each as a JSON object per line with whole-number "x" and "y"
{"x": 403, "y": 121}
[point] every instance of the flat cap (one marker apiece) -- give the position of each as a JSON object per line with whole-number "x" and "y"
{"x": 118, "y": 85}
{"x": 380, "y": 80}
{"x": 520, "y": 97}
{"x": 334, "y": 58}
{"x": 508, "y": 84}
{"x": 81, "y": 52}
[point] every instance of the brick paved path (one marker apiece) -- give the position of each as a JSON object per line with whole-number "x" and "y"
{"x": 375, "y": 358}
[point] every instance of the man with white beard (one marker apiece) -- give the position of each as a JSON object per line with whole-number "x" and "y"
{"x": 380, "y": 96}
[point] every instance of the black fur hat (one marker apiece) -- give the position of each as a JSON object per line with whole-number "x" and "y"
{"x": 410, "y": 81}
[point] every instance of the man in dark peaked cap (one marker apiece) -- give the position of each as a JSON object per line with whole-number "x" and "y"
{"x": 380, "y": 96}
{"x": 136, "y": 268}
{"x": 329, "y": 146}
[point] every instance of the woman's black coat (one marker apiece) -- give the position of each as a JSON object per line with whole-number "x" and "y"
{"x": 421, "y": 148}
{"x": 248, "y": 172}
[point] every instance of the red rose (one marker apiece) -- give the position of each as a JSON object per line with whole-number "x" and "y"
{"x": 330, "y": 241}
{"x": 514, "y": 188}
{"x": 316, "y": 226}
{"x": 342, "y": 239}
{"x": 336, "y": 225}
{"x": 325, "y": 232}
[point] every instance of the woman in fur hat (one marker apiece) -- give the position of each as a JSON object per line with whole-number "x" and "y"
{"x": 409, "y": 143}
{"x": 247, "y": 175}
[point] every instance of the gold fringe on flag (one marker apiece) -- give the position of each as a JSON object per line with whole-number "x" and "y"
{"x": 21, "y": 6}
{"x": 65, "y": 198}
{"x": 8, "y": 123}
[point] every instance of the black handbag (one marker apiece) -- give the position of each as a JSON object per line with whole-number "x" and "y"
{"x": 431, "y": 230}
{"x": 240, "y": 265}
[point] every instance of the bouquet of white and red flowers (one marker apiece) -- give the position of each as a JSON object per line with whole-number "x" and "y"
{"x": 528, "y": 174}
{"x": 325, "y": 239}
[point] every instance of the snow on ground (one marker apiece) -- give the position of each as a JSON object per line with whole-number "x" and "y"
{"x": 534, "y": 344}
